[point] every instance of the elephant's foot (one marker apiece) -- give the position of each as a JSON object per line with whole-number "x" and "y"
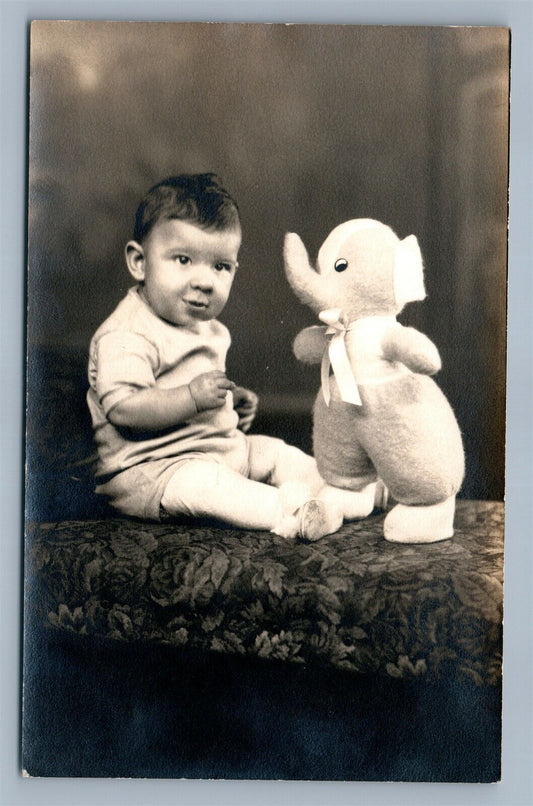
{"x": 420, "y": 524}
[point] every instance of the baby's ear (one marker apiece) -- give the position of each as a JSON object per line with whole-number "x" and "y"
{"x": 135, "y": 260}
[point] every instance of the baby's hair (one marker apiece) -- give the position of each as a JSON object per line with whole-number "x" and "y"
{"x": 199, "y": 198}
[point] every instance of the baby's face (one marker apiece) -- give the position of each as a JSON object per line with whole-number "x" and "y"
{"x": 187, "y": 271}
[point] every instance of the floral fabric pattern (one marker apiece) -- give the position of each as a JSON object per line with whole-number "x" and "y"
{"x": 351, "y": 600}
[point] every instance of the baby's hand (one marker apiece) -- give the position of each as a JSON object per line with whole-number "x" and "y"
{"x": 245, "y": 404}
{"x": 209, "y": 390}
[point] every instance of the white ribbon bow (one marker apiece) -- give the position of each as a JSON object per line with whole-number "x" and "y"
{"x": 337, "y": 357}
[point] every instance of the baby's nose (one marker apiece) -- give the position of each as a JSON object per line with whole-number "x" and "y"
{"x": 203, "y": 278}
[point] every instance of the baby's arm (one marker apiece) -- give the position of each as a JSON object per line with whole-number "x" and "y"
{"x": 153, "y": 409}
{"x": 412, "y": 348}
{"x": 309, "y": 344}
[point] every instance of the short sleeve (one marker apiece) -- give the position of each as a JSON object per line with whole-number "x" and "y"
{"x": 125, "y": 363}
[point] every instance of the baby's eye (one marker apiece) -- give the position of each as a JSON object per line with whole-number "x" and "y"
{"x": 341, "y": 264}
{"x": 222, "y": 266}
{"x": 183, "y": 259}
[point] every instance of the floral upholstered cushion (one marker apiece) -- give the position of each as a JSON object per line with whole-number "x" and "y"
{"x": 351, "y": 600}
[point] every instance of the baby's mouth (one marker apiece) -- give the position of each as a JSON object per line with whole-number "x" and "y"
{"x": 200, "y": 304}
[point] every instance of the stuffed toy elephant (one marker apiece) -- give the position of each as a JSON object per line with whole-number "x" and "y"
{"x": 379, "y": 418}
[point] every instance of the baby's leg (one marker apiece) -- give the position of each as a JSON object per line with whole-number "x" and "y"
{"x": 274, "y": 462}
{"x": 202, "y": 488}
{"x": 356, "y": 504}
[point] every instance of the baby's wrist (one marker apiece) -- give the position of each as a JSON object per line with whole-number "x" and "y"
{"x": 193, "y": 399}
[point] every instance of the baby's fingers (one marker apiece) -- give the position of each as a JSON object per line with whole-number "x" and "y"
{"x": 225, "y": 384}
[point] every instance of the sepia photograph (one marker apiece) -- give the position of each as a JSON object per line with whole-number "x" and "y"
{"x": 265, "y": 401}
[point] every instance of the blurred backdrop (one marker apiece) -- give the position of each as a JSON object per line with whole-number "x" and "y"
{"x": 308, "y": 126}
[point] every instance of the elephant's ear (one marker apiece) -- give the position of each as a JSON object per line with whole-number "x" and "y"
{"x": 304, "y": 280}
{"x": 408, "y": 272}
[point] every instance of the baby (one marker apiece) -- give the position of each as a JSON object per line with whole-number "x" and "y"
{"x": 170, "y": 427}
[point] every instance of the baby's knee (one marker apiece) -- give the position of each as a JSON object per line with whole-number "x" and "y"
{"x": 273, "y": 461}
{"x": 290, "y": 457}
{"x": 293, "y": 464}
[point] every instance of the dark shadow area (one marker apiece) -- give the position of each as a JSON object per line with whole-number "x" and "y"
{"x": 95, "y": 708}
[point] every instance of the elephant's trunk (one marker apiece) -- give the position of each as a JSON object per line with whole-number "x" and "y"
{"x": 304, "y": 280}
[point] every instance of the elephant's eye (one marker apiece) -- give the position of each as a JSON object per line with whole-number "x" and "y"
{"x": 341, "y": 264}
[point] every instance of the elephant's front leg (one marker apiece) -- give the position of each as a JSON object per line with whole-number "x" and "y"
{"x": 350, "y": 476}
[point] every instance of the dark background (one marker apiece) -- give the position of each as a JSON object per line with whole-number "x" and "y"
{"x": 308, "y": 126}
